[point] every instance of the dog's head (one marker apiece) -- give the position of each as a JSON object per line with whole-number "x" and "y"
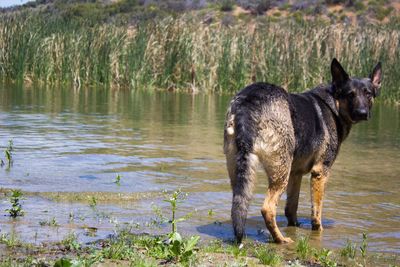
{"x": 355, "y": 96}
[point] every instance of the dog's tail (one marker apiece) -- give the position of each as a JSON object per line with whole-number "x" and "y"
{"x": 246, "y": 161}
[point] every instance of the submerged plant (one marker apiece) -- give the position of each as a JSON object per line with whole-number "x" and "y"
{"x": 118, "y": 180}
{"x": 16, "y": 206}
{"x": 8, "y": 152}
{"x": 92, "y": 202}
{"x": 211, "y": 212}
{"x": 52, "y": 222}
{"x": 349, "y": 251}
{"x": 364, "y": 244}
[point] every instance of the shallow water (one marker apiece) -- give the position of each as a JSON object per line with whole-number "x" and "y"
{"x": 67, "y": 141}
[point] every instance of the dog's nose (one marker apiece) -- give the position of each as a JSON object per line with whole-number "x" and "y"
{"x": 362, "y": 113}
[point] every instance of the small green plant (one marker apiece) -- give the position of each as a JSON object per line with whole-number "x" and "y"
{"x": 159, "y": 220}
{"x": 182, "y": 250}
{"x": 92, "y": 202}
{"x": 16, "y": 206}
{"x": 363, "y": 246}
{"x": 118, "y": 180}
{"x": 211, "y": 212}
{"x": 8, "y": 152}
{"x": 70, "y": 242}
{"x": 303, "y": 248}
{"x": 65, "y": 262}
{"x": 174, "y": 199}
{"x": 324, "y": 257}
{"x": 349, "y": 251}
{"x": 268, "y": 256}
{"x": 10, "y": 240}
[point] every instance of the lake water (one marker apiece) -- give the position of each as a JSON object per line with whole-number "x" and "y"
{"x": 77, "y": 142}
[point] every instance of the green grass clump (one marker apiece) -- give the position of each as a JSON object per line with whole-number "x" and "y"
{"x": 227, "y": 5}
{"x": 303, "y": 248}
{"x": 10, "y": 240}
{"x": 268, "y": 256}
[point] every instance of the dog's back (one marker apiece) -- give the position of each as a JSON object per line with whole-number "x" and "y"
{"x": 259, "y": 106}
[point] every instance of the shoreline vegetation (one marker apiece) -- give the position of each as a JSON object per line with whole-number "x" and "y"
{"x": 187, "y": 53}
{"x": 132, "y": 245}
{"x": 127, "y": 249}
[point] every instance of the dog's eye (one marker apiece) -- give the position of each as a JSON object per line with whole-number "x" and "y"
{"x": 351, "y": 94}
{"x": 368, "y": 94}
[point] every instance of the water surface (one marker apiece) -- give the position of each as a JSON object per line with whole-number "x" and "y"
{"x": 78, "y": 141}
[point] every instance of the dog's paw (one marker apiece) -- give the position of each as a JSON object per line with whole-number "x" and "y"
{"x": 285, "y": 240}
{"x": 317, "y": 227}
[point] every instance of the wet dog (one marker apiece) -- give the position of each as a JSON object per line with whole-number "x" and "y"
{"x": 291, "y": 135}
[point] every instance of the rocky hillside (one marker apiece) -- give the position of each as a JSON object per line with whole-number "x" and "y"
{"x": 226, "y": 11}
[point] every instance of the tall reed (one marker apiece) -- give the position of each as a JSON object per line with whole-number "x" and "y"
{"x": 185, "y": 54}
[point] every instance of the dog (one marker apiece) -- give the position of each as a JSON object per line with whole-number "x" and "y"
{"x": 291, "y": 135}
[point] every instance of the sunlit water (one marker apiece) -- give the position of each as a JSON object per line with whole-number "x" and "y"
{"x": 66, "y": 141}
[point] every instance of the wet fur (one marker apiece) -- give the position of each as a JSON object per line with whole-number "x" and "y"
{"x": 290, "y": 135}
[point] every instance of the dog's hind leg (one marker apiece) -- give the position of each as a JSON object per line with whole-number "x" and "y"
{"x": 278, "y": 176}
{"x": 242, "y": 186}
{"x": 292, "y": 201}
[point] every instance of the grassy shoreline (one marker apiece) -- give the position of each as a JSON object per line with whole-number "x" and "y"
{"x": 128, "y": 246}
{"x": 128, "y": 249}
{"x": 185, "y": 54}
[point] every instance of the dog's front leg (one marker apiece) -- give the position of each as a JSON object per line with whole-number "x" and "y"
{"x": 318, "y": 180}
{"x": 292, "y": 201}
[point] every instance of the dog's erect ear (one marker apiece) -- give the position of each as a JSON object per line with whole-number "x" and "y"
{"x": 339, "y": 76}
{"x": 376, "y": 78}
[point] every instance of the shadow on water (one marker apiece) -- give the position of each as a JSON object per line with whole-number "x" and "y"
{"x": 256, "y": 230}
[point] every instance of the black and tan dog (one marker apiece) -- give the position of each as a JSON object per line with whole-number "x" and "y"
{"x": 291, "y": 135}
